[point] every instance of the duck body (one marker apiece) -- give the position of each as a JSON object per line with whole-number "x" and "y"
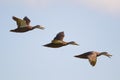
{"x": 21, "y": 30}
{"x": 56, "y": 44}
{"x": 52, "y": 45}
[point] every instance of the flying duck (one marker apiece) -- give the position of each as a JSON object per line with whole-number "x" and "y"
{"x": 58, "y": 41}
{"x": 92, "y": 56}
{"x": 23, "y": 25}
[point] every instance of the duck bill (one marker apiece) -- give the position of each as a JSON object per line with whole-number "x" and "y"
{"x": 109, "y": 56}
{"x": 76, "y": 44}
{"x": 42, "y": 28}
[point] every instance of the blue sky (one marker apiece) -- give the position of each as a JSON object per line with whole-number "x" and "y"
{"x": 94, "y": 25}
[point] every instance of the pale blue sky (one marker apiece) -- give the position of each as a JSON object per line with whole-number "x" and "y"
{"x": 94, "y": 25}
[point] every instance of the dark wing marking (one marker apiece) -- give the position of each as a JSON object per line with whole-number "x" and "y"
{"x": 84, "y": 55}
{"x": 27, "y": 20}
{"x": 59, "y": 36}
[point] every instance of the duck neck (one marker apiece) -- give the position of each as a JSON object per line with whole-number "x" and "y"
{"x": 102, "y": 53}
{"x": 34, "y": 27}
{"x": 69, "y": 43}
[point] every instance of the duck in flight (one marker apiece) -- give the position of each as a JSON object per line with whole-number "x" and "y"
{"x": 92, "y": 56}
{"x": 23, "y": 25}
{"x": 58, "y": 41}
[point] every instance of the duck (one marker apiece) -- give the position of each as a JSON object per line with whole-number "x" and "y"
{"x": 92, "y": 56}
{"x": 58, "y": 42}
{"x": 23, "y": 25}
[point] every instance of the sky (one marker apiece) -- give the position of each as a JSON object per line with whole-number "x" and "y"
{"x": 93, "y": 24}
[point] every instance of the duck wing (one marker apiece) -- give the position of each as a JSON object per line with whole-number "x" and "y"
{"x": 20, "y": 23}
{"x": 27, "y": 20}
{"x": 84, "y": 56}
{"x": 59, "y": 36}
{"x": 92, "y": 59}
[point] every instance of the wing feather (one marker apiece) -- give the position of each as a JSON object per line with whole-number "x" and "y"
{"x": 92, "y": 59}
{"x": 59, "y": 36}
{"x": 27, "y": 20}
{"x": 20, "y": 23}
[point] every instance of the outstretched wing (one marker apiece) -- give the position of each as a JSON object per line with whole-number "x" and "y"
{"x": 84, "y": 55}
{"x": 20, "y": 23}
{"x": 59, "y": 36}
{"x": 27, "y": 20}
{"x": 92, "y": 59}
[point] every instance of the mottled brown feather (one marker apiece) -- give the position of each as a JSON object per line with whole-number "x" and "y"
{"x": 59, "y": 36}
{"x": 20, "y": 23}
{"x": 92, "y": 59}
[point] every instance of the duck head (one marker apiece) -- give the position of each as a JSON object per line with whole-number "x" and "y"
{"x": 106, "y": 54}
{"x": 39, "y": 27}
{"x": 73, "y": 43}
